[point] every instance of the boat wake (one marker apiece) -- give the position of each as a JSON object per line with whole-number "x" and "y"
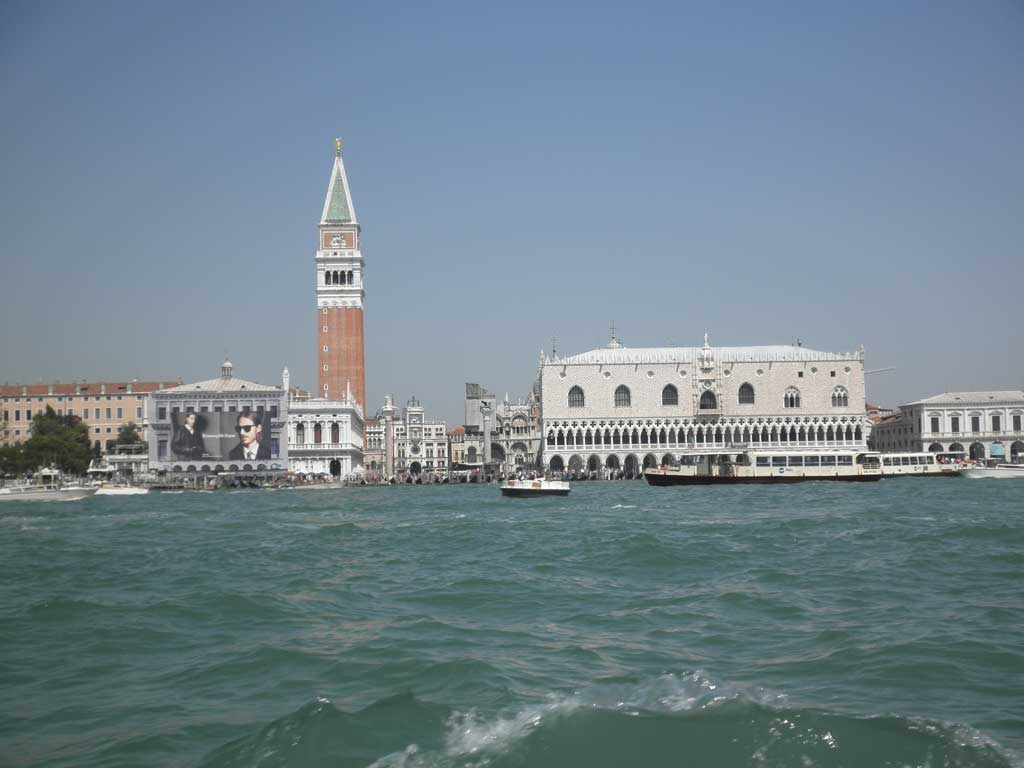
{"x": 671, "y": 720}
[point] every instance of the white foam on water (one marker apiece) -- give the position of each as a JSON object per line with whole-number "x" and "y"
{"x": 468, "y": 734}
{"x": 404, "y": 759}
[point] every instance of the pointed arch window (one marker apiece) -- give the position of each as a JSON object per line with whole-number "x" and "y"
{"x": 576, "y": 398}
{"x": 708, "y": 401}
{"x": 840, "y": 397}
{"x": 792, "y": 398}
{"x": 746, "y": 396}
{"x": 622, "y": 396}
{"x": 670, "y": 395}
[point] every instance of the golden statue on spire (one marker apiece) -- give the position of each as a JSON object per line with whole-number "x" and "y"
{"x": 337, "y": 147}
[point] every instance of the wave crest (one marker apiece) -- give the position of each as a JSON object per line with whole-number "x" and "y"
{"x": 668, "y": 720}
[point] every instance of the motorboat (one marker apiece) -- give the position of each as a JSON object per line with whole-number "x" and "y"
{"x": 993, "y": 470}
{"x": 48, "y": 485}
{"x": 540, "y": 486}
{"x": 105, "y": 483}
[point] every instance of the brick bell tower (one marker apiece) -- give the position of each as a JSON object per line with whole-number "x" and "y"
{"x": 339, "y": 293}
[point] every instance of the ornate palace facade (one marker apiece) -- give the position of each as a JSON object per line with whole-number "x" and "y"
{"x": 620, "y": 409}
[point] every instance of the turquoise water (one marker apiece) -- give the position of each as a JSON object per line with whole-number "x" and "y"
{"x": 824, "y": 624}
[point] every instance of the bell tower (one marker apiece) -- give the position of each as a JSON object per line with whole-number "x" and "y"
{"x": 339, "y": 293}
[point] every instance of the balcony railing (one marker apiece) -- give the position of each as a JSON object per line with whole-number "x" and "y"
{"x": 297, "y": 447}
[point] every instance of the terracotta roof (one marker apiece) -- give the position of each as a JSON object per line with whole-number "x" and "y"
{"x": 457, "y": 431}
{"x": 85, "y": 388}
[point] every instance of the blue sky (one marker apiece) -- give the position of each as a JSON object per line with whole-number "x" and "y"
{"x": 844, "y": 174}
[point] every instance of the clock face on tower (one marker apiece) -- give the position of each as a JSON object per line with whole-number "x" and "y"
{"x": 344, "y": 240}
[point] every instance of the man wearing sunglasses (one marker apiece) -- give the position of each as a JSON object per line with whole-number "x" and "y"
{"x": 251, "y": 446}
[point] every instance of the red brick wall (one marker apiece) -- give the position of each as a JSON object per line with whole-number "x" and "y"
{"x": 344, "y": 355}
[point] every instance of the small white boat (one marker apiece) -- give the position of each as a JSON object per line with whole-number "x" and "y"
{"x": 995, "y": 471}
{"x": 49, "y": 486}
{"x": 538, "y": 487}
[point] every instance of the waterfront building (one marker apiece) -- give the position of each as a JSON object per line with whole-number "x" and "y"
{"x": 877, "y": 413}
{"x": 618, "y": 409}
{"x": 420, "y": 444}
{"x": 407, "y": 443}
{"x": 379, "y": 443}
{"x": 105, "y": 407}
{"x": 505, "y": 436}
{"x": 457, "y": 447}
{"x": 518, "y": 438}
{"x": 977, "y": 425}
{"x": 339, "y": 293}
{"x": 325, "y": 437}
{"x": 221, "y": 425}
{"x": 373, "y": 449}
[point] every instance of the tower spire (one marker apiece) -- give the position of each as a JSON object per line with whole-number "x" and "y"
{"x": 338, "y": 208}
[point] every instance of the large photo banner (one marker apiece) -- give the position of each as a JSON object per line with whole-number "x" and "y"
{"x": 233, "y": 436}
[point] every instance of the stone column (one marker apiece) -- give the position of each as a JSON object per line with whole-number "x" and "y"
{"x": 485, "y": 413}
{"x": 388, "y": 412}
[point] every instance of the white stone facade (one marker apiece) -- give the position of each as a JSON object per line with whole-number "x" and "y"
{"x": 325, "y": 437}
{"x": 977, "y": 425}
{"x": 226, "y": 394}
{"x": 621, "y": 409}
{"x": 407, "y": 443}
{"x": 514, "y": 435}
{"x": 421, "y": 444}
{"x": 517, "y": 437}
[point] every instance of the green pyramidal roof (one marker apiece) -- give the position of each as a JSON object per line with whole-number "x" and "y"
{"x": 338, "y": 205}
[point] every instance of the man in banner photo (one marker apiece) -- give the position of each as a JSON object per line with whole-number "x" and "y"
{"x": 251, "y": 444}
{"x": 187, "y": 442}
